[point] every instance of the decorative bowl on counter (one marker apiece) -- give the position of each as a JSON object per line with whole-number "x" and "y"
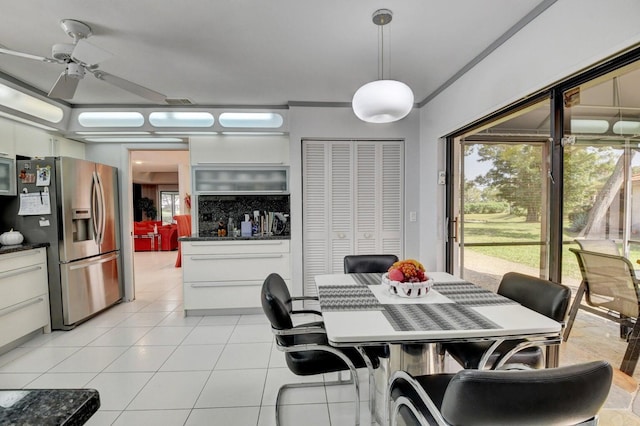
{"x": 11, "y": 238}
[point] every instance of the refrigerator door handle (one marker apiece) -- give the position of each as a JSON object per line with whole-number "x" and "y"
{"x": 95, "y": 217}
{"x": 103, "y": 216}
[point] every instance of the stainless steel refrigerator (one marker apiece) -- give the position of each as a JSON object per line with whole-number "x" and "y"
{"x": 83, "y": 228}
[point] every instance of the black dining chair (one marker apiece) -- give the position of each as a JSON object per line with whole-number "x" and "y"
{"x": 543, "y": 296}
{"x": 570, "y": 395}
{"x": 306, "y": 347}
{"x": 368, "y": 263}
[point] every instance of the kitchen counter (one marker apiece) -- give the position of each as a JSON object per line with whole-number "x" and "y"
{"x": 68, "y": 407}
{"x": 21, "y": 247}
{"x": 255, "y": 238}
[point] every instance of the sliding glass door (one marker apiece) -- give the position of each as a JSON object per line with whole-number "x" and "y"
{"x": 501, "y": 197}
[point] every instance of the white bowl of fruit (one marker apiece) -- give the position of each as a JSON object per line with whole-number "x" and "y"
{"x": 407, "y": 278}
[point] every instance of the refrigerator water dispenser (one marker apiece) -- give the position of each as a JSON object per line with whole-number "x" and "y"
{"x": 81, "y": 225}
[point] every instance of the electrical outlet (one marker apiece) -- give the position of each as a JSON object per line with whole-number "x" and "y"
{"x": 413, "y": 216}
{"x": 442, "y": 177}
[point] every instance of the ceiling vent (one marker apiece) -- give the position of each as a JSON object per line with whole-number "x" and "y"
{"x": 177, "y": 101}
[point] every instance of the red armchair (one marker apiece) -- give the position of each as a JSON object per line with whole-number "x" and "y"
{"x": 169, "y": 234}
{"x": 184, "y": 230}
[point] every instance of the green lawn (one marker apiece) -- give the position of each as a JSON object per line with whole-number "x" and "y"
{"x": 504, "y": 228}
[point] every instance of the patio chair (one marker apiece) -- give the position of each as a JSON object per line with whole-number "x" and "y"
{"x": 610, "y": 290}
{"x": 571, "y": 395}
{"x": 599, "y": 245}
{"x": 306, "y": 347}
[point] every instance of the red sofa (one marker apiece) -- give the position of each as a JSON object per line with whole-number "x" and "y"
{"x": 167, "y": 240}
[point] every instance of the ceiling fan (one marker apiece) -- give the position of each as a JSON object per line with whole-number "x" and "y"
{"x": 79, "y": 58}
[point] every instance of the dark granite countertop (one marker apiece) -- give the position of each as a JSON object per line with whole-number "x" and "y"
{"x": 255, "y": 238}
{"x": 27, "y": 407}
{"x": 21, "y": 247}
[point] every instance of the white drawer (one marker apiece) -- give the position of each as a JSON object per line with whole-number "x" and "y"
{"x": 236, "y": 246}
{"x": 211, "y": 295}
{"x": 20, "y": 320}
{"x": 19, "y": 284}
{"x": 234, "y": 267}
{"x": 22, "y": 258}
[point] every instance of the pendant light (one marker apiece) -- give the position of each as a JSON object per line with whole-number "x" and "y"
{"x": 382, "y": 101}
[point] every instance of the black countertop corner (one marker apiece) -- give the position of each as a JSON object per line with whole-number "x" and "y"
{"x": 253, "y": 238}
{"x": 21, "y": 247}
{"x": 67, "y": 407}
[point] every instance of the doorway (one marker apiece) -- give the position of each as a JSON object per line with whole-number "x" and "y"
{"x": 158, "y": 180}
{"x": 501, "y": 197}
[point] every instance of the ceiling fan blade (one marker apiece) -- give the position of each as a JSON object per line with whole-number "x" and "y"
{"x": 65, "y": 87}
{"x": 28, "y": 55}
{"x": 130, "y": 86}
{"x": 89, "y": 54}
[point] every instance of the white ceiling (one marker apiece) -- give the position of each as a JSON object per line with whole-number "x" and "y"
{"x": 255, "y": 52}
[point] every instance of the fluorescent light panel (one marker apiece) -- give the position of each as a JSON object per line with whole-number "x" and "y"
{"x": 251, "y": 119}
{"x": 112, "y": 133}
{"x": 111, "y": 119}
{"x": 181, "y": 119}
{"x": 134, "y": 139}
{"x": 29, "y": 122}
{"x": 28, "y": 104}
{"x": 624, "y": 127}
{"x": 589, "y": 126}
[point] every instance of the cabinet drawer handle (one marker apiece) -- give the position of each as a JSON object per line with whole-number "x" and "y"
{"x": 236, "y": 256}
{"x": 225, "y": 284}
{"x": 253, "y": 243}
{"x": 20, "y": 306}
{"x": 19, "y": 271}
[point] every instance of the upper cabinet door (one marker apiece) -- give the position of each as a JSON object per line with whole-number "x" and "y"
{"x": 239, "y": 149}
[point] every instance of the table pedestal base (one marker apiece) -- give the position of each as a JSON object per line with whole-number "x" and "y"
{"x": 416, "y": 359}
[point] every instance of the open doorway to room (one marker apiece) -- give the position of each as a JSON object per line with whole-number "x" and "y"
{"x": 160, "y": 181}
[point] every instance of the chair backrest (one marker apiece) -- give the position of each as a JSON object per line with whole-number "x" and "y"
{"x": 600, "y": 246}
{"x": 543, "y": 296}
{"x": 365, "y": 263}
{"x": 609, "y": 281}
{"x": 184, "y": 224}
{"x": 565, "y": 395}
{"x": 277, "y": 304}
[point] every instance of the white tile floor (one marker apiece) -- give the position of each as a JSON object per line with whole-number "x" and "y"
{"x": 151, "y": 365}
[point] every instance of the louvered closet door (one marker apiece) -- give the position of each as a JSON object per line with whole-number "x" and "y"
{"x": 352, "y": 203}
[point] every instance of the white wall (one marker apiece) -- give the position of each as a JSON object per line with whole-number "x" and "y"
{"x": 342, "y": 124}
{"x": 568, "y": 37}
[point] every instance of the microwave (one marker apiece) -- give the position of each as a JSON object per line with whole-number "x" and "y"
{"x": 7, "y": 176}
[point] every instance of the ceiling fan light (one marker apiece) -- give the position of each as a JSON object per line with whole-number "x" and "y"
{"x": 382, "y": 101}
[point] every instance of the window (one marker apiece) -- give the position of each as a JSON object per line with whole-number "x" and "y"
{"x": 170, "y": 205}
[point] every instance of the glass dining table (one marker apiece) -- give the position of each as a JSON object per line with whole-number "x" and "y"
{"x": 359, "y": 311}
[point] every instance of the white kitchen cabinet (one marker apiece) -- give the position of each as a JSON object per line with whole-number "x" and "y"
{"x": 7, "y": 144}
{"x": 225, "y": 277}
{"x": 24, "y": 295}
{"x": 353, "y": 193}
{"x": 239, "y": 149}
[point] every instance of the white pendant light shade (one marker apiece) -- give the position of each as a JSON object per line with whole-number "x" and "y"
{"x": 382, "y": 101}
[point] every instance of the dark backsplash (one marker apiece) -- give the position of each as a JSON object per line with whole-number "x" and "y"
{"x": 215, "y": 208}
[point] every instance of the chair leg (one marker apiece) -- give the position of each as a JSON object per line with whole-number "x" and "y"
{"x": 574, "y": 310}
{"x": 630, "y": 359}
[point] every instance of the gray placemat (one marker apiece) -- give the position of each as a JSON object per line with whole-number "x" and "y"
{"x": 470, "y": 294}
{"x": 347, "y": 298}
{"x": 368, "y": 278}
{"x": 437, "y": 316}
